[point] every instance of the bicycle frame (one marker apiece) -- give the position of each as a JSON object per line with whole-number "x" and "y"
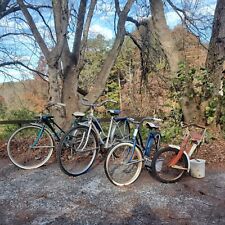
{"x": 138, "y": 142}
{"x": 197, "y": 140}
{"x": 93, "y": 124}
{"x": 47, "y": 123}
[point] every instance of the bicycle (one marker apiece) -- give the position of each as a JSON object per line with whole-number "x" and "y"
{"x": 78, "y": 148}
{"x": 124, "y": 162}
{"x": 31, "y": 146}
{"x": 170, "y": 163}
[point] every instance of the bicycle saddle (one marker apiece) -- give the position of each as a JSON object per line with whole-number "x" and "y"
{"x": 78, "y": 114}
{"x": 114, "y": 112}
{"x": 45, "y": 117}
{"x": 152, "y": 125}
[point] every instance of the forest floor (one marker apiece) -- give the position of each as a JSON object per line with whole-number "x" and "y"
{"x": 47, "y": 196}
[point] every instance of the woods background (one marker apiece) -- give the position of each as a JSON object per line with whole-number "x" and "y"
{"x": 148, "y": 67}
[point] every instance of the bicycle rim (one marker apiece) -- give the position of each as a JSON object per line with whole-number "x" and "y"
{"x": 30, "y": 147}
{"x": 123, "y": 167}
{"x": 165, "y": 173}
{"x": 77, "y": 151}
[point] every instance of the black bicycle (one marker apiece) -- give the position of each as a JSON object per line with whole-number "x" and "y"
{"x": 31, "y": 146}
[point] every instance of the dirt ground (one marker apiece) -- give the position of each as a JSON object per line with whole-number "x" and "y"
{"x": 47, "y": 196}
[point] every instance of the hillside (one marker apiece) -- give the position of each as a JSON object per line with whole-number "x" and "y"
{"x": 30, "y": 94}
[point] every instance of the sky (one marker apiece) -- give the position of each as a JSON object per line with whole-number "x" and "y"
{"x": 102, "y": 24}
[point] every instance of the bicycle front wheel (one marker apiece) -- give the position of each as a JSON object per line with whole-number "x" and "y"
{"x": 30, "y": 147}
{"x": 77, "y": 150}
{"x": 123, "y": 164}
{"x": 161, "y": 169}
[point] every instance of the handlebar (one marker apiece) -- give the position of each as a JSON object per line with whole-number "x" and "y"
{"x": 96, "y": 105}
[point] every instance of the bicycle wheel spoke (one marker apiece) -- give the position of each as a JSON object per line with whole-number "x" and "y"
{"x": 77, "y": 152}
{"x": 162, "y": 169}
{"x": 122, "y": 165}
{"x": 28, "y": 149}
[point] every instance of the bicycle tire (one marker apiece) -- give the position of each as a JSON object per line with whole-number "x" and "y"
{"x": 116, "y": 165}
{"x": 160, "y": 169}
{"x": 26, "y": 150}
{"x": 120, "y": 132}
{"x": 73, "y": 155}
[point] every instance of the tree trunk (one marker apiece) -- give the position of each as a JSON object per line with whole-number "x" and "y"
{"x": 215, "y": 62}
{"x": 55, "y": 90}
{"x": 164, "y": 35}
{"x": 190, "y": 105}
{"x": 216, "y": 53}
{"x": 70, "y": 95}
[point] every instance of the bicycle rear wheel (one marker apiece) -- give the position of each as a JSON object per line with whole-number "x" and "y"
{"x": 164, "y": 173}
{"x": 30, "y": 147}
{"x": 122, "y": 165}
{"x": 77, "y": 150}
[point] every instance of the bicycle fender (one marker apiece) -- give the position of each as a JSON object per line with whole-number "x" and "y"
{"x": 186, "y": 155}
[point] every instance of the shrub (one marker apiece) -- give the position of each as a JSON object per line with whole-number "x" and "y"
{"x": 21, "y": 114}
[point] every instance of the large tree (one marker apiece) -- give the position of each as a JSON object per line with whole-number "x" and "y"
{"x": 65, "y": 62}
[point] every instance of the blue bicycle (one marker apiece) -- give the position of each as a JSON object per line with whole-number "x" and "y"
{"x": 124, "y": 162}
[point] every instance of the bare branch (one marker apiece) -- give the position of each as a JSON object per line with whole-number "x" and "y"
{"x": 16, "y": 34}
{"x": 86, "y": 30}
{"x": 33, "y": 28}
{"x": 134, "y": 40}
{"x": 188, "y": 21}
{"x": 79, "y": 30}
{"x": 46, "y": 24}
{"x": 117, "y": 6}
{"x": 22, "y": 64}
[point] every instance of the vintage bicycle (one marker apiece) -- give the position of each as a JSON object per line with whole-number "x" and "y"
{"x": 170, "y": 163}
{"x": 31, "y": 146}
{"x": 78, "y": 148}
{"x": 124, "y": 161}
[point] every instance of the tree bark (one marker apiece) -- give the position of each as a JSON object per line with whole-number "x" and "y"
{"x": 216, "y": 53}
{"x": 164, "y": 35}
{"x": 215, "y": 62}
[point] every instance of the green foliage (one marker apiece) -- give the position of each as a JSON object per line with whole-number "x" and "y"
{"x": 2, "y": 110}
{"x": 96, "y": 51}
{"x": 171, "y": 130}
{"x": 21, "y": 114}
{"x": 172, "y": 133}
{"x": 210, "y": 110}
{"x": 196, "y": 80}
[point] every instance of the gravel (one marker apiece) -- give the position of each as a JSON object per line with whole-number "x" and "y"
{"x": 47, "y": 196}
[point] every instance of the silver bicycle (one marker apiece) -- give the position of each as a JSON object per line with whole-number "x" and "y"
{"x": 79, "y": 146}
